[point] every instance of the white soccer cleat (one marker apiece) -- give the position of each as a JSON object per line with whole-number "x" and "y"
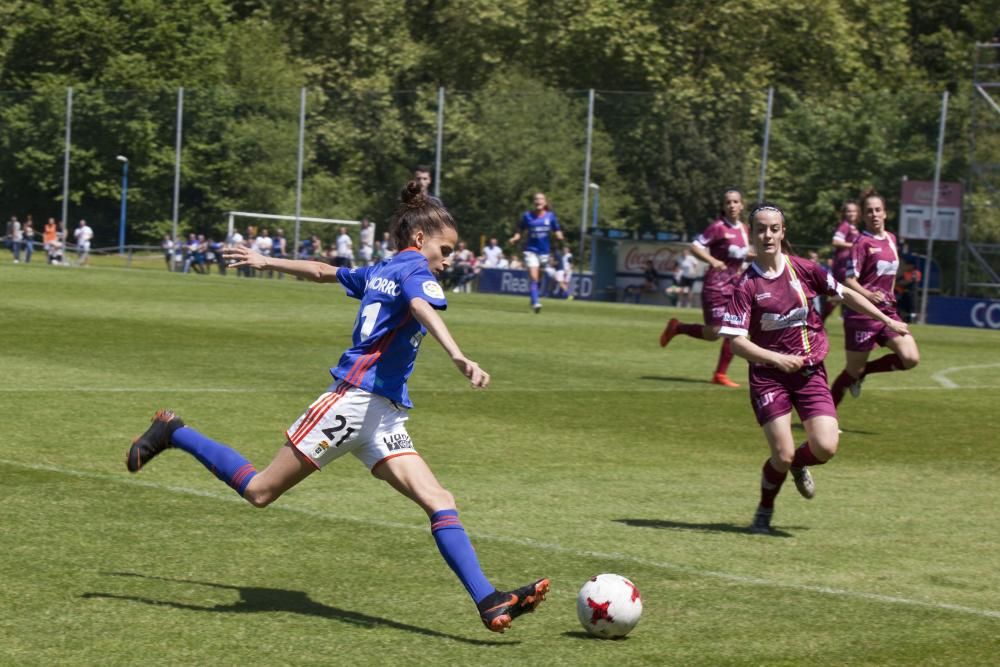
{"x": 804, "y": 482}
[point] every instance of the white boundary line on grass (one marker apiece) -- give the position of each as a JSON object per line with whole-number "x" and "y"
{"x": 941, "y": 377}
{"x": 168, "y": 391}
{"x": 543, "y": 546}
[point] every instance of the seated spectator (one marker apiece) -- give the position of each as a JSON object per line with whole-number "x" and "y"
{"x": 650, "y": 282}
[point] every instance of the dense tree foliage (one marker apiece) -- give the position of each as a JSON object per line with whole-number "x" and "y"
{"x": 679, "y": 110}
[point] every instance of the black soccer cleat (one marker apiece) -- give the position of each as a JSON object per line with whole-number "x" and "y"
{"x": 761, "y": 524}
{"x": 153, "y": 441}
{"x": 499, "y": 609}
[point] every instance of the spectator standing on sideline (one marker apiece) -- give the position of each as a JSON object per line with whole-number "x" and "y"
{"x": 724, "y": 246}
{"x": 907, "y": 283}
{"x": 29, "y": 239}
{"x": 279, "y": 248}
{"x": 388, "y": 247}
{"x": 366, "y": 237}
{"x": 345, "y": 249}
{"x": 463, "y": 271}
{"x": 49, "y": 237}
{"x": 167, "y": 246}
{"x": 422, "y": 175}
{"x": 690, "y": 272}
{"x": 83, "y": 235}
{"x": 537, "y": 224}
{"x": 15, "y": 236}
{"x": 264, "y": 244}
{"x": 490, "y": 257}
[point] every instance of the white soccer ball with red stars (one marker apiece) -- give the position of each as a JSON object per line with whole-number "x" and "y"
{"x": 609, "y": 606}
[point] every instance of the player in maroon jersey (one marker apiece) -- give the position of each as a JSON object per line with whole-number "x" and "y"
{"x": 772, "y": 326}
{"x": 843, "y": 240}
{"x": 723, "y": 245}
{"x": 871, "y": 272}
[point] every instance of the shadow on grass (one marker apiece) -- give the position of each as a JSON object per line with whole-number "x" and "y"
{"x": 253, "y": 600}
{"x": 799, "y": 427}
{"x": 579, "y": 634}
{"x": 673, "y": 378}
{"x": 702, "y": 527}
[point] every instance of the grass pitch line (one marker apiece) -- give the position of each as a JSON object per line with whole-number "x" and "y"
{"x": 555, "y": 548}
{"x": 941, "y": 377}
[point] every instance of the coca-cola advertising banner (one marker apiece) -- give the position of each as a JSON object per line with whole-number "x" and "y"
{"x": 633, "y": 255}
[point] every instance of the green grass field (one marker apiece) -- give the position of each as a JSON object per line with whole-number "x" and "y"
{"x": 593, "y": 451}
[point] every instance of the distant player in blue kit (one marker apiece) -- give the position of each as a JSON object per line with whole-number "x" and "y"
{"x": 364, "y": 411}
{"x": 537, "y": 224}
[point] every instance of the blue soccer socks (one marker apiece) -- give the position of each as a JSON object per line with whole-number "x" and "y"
{"x": 534, "y": 292}
{"x": 225, "y": 463}
{"x": 455, "y": 547}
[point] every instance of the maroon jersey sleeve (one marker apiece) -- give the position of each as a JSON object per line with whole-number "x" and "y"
{"x": 736, "y": 320}
{"x": 821, "y": 282}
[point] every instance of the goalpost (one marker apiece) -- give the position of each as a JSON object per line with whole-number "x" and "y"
{"x": 273, "y": 216}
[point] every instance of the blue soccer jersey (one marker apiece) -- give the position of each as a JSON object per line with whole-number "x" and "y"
{"x": 386, "y": 337}
{"x": 537, "y": 229}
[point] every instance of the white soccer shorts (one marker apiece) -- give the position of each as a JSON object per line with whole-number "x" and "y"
{"x": 348, "y": 419}
{"x": 534, "y": 260}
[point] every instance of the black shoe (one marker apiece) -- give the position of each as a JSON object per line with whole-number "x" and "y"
{"x": 500, "y": 608}
{"x": 153, "y": 441}
{"x": 761, "y": 524}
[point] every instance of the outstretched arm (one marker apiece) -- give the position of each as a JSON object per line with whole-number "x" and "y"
{"x": 702, "y": 253}
{"x": 858, "y": 302}
{"x": 427, "y": 316}
{"x": 319, "y": 272}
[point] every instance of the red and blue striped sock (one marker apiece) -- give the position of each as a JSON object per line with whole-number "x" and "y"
{"x": 455, "y": 547}
{"x": 224, "y": 462}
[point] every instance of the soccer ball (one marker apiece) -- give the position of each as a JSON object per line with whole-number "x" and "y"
{"x": 609, "y": 606}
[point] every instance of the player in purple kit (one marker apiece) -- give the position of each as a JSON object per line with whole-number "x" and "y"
{"x": 724, "y": 246}
{"x": 872, "y": 272}
{"x": 537, "y": 224}
{"x": 843, "y": 240}
{"x": 772, "y": 326}
{"x": 365, "y": 410}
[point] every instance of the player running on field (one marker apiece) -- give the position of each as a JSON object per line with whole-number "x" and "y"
{"x": 364, "y": 411}
{"x": 771, "y": 325}
{"x": 843, "y": 240}
{"x": 724, "y": 246}
{"x": 537, "y": 224}
{"x": 871, "y": 272}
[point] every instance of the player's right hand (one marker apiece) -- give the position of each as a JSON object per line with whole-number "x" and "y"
{"x": 788, "y": 363}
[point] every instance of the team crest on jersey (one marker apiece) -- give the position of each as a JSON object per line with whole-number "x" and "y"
{"x": 432, "y": 289}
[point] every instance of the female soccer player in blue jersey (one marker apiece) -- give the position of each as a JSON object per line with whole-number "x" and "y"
{"x": 364, "y": 411}
{"x": 537, "y": 224}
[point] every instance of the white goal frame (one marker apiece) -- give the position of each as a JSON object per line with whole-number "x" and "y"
{"x": 274, "y": 216}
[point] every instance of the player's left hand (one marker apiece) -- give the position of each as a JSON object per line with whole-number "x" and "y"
{"x": 478, "y": 378}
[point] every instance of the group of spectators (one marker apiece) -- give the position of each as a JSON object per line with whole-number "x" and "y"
{"x": 21, "y": 239}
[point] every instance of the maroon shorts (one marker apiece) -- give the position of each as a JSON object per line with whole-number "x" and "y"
{"x": 774, "y": 393}
{"x": 713, "y": 307}
{"x": 863, "y": 334}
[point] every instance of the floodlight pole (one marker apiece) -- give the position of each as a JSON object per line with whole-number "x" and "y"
{"x": 177, "y": 176}
{"x": 597, "y": 202}
{"x": 586, "y": 171}
{"x": 66, "y": 151}
{"x": 121, "y": 222}
{"x": 440, "y": 142}
{"x": 934, "y": 208}
{"x": 298, "y": 176}
{"x": 767, "y": 140}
